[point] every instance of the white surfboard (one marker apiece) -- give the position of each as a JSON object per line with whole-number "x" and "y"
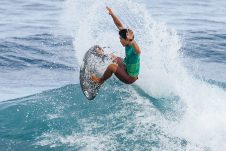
{"x": 93, "y": 63}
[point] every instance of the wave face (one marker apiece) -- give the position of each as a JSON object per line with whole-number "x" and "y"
{"x": 34, "y": 54}
{"x": 62, "y": 119}
{"x": 170, "y": 107}
{"x": 163, "y": 74}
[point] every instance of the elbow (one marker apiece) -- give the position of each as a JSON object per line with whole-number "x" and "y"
{"x": 138, "y": 51}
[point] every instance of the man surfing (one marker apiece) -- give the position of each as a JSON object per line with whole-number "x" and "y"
{"x": 127, "y": 69}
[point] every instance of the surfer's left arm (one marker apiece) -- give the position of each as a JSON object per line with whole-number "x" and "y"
{"x": 130, "y": 36}
{"x": 136, "y": 47}
{"x": 115, "y": 19}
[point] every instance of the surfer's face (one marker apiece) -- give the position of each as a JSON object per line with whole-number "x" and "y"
{"x": 123, "y": 41}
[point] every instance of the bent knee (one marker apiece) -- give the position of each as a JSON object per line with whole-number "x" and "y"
{"x": 113, "y": 67}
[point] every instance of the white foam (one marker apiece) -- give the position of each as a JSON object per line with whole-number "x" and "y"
{"x": 162, "y": 73}
{"x": 136, "y": 120}
{"x": 86, "y": 142}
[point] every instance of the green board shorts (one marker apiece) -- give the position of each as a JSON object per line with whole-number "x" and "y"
{"x": 121, "y": 73}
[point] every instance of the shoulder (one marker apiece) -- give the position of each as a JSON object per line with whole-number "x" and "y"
{"x": 135, "y": 47}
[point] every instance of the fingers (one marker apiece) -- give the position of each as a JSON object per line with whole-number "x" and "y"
{"x": 109, "y": 10}
{"x": 111, "y": 54}
{"x": 113, "y": 57}
{"x": 129, "y": 32}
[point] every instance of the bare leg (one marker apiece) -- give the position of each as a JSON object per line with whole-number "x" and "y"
{"x": 107, "y": 74}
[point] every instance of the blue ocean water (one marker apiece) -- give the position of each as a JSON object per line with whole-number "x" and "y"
{"x": 178, "y": 103}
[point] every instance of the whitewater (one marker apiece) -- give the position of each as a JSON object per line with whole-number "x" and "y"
{"x": 173, "y": 106}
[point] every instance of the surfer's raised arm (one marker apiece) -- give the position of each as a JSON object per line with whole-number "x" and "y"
{"x": 115, "y": 18}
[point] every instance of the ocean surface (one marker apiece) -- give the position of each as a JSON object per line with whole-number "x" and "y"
{"x": 178, "y": 103}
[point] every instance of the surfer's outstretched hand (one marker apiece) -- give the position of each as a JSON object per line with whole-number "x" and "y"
{"x": 113, "y": 57}
{"x": 110, "y": 12}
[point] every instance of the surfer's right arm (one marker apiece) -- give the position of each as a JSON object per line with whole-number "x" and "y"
{"x": 115, "y": 18}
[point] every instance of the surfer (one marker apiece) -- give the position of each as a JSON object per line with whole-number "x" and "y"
{"x": 127, "y": 69}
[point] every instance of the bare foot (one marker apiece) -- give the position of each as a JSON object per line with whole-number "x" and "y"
{"x": 96, "y": 79}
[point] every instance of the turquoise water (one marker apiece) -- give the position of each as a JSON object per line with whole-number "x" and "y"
{"x": 63, "y": 119}
{"x": 178, "y": 103}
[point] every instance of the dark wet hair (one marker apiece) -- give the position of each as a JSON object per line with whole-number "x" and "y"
{"x": 122, "y": 33}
